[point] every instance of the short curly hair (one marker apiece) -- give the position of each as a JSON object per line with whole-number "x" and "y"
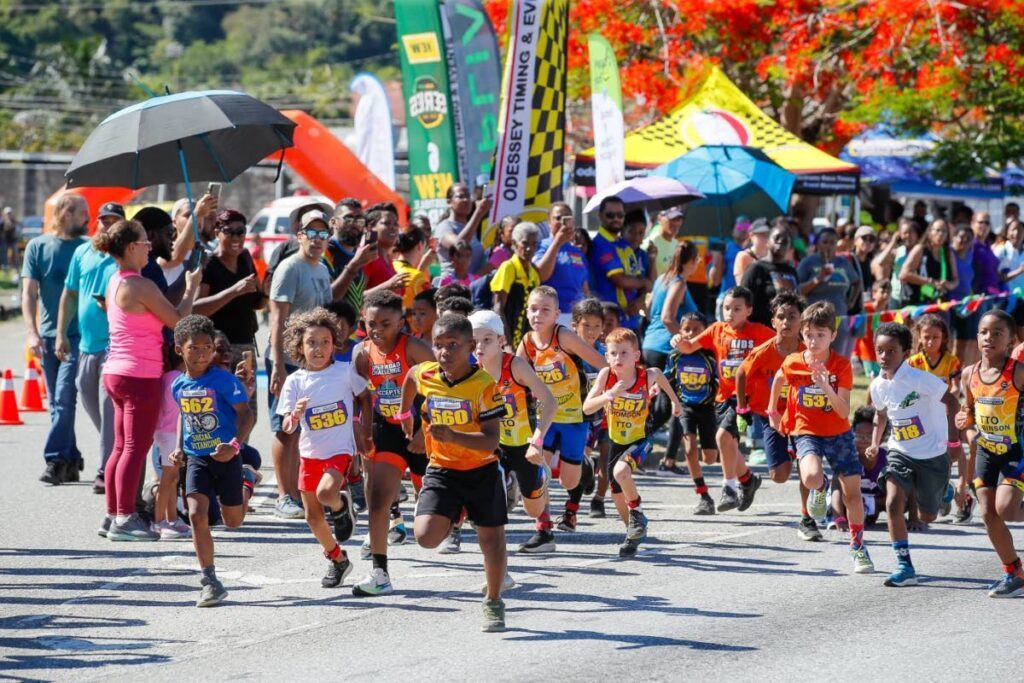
{"x": 192, "y": 325}
{"x": 297, "y": 325}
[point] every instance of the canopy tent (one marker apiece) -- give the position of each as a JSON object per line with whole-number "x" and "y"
{"x": 885, "y": 159}
{"x": 718, "y": 113}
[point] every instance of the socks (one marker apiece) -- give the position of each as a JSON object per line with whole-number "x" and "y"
{"x": 121, "y": 519}
{"x": 856, "y": 535}
{"x": 572, "y": 506}
{"x": 210, "y": 573}
{"x": 633, "y": 504}
{"x": 544, "y": 521}
{"x": 334, "y": 555}
{"x": 380, "y": 562}
{"x": 1013, "y": 568}
{"x": 902, "y": 550}
{"x": 699, "y": 486}
{"x": 804, "y": 513}
{"x": 575, "y": 496}
{"x": 731, "y": 484}
{"x": 745, "y": 477}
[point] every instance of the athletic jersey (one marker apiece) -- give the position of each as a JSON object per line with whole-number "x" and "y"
{"x": 760, "y": 367}
{"x": 463, "y": 406}
{"x": 693, "y": 376}
{"x": 997, "y": 409}
{"x": 731, "y": 347}
{"x": 912, "y": 399}
{"x": 628, "y": 412}
{"x": 387, "y": 372}
{"x": 327, "y": 421}
{"x": 560, "y": 370}
{"x": 516, "y": 427}
{"x": 947, "y": 369}
{"x": 207, "y": 406}
{"x": 808, "y": 409}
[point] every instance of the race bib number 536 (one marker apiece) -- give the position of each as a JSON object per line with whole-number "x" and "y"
{"x": 326, "y": 416}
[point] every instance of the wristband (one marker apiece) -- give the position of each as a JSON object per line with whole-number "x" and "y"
{"x": 539, "y": 443}
{"x": 773, "y": 413}
{"x": 953, "y": 444}
{"x": 743, "y": 411}
{"x": 405, "y": 416}
{"x": 234, "y": 443}
{"x": 609, "y": 396}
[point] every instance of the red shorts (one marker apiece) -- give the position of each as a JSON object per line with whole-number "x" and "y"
{"x": 311, "y": 470}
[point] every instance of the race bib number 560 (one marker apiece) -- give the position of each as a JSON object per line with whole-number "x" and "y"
{"x": 449, "y": 412}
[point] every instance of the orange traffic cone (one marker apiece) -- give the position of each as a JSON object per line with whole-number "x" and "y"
{"x": 8, "y": 401}
{"x": 31, "y": 400}
{"x": 39, "y": 376}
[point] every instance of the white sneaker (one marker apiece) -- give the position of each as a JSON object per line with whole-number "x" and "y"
{"x": 168, "y": 532}
{"x": 288, "y": 508}
{"x": 364, "y": 549}
{"x": 507, "y": 584}
{"x": 180, "y": 526}
{"x": 377, "y": 582}
{"x": 817, "y": 501}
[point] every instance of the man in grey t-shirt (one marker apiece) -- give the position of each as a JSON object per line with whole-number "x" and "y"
{"x": 300, "y": 284}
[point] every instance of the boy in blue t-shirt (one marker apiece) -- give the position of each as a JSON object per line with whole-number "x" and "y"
{"x": 215, "y": 418}
{"x": 694, "y": 378}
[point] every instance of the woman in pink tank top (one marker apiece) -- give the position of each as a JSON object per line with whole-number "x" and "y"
{"x": 137, "y": 312}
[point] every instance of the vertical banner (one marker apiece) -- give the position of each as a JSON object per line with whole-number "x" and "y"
{"x": 432, "y": 152}
{"x": 531, "y": 150}
{"x": 606, "y": 105}
{"x": 375, "y": 139}
{"x": 474, "y": 73}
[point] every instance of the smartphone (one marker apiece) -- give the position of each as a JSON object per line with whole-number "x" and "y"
{"x": 249, "y": 360}
{"x": 371, "y": 236}
{"x": 214, "y": 189}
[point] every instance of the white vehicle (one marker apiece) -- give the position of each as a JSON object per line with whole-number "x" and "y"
{"x": 274, "y": 222}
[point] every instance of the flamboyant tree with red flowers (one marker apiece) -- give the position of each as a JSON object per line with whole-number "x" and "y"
{"x": 826, "y": 70}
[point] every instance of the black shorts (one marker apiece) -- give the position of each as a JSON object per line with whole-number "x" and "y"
{"x": 206, "y": 476}
{"x": 623, "y": 453}
{"x": 725, "y": 414}
{"x": 529, "y": 476}
{"x": 992, "y": 469}
{"x": 481, "y": 491}
{"x": 391, "y": 446}
{"x": 700, "y": 420}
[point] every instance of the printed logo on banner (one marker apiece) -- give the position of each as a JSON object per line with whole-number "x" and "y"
{"x": 428, "y": 104}
{"x": 421, "y": 48}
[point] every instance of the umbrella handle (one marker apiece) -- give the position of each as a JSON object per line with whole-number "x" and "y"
{"x": 188, "y": 192}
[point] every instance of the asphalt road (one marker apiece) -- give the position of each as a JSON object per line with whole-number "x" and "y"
{"x": 734, "y": 596}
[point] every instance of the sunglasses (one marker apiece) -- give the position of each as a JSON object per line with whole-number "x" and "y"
{"x": 233, "y": 232}
{"x": 985, "y": 222}
{"x": 314, "y": 234}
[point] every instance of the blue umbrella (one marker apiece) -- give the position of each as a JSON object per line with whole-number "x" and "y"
{"x": 736, "y": 181}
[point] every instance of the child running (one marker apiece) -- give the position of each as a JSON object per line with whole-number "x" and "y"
{"x": 696, "y": 383}
{"x": 623, "y": 390}
{"x": 214, "y": 414}
{"x": 384, "y": 359}
{"x": 817, "y": 417}
{"x": 731, "y": 340}
{"x": 914, "y": 403}
{"x": 992, "y": 389}
{"x": 555, "y": 353}
{"x": 521, "y": 444}
{"x": 753, "y": 384}
{"x": 461, "y": 410}
{"x": 320, "y": 397}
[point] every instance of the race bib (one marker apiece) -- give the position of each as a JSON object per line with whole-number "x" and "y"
{"x": 813, "y": 397}
{"x": 907, "y": 429}
{"x": 552, "y": 373}
{"x": 449, "y": 412}
{"x": 993, "y": 443}
{"x": 693, "y": 377}
{"x": 326, "y": 416}
{"x": 388, "y": 400}
{"x": 728, "y": 368}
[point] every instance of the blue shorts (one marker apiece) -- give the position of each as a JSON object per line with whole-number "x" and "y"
{"x": 777, "y": 446}
{"x": 569, "y": 440}
{"x": 840, "y": 451}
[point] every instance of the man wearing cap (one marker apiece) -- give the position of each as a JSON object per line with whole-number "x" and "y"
{"x": 301, "y": 283}
{"x": 757, "y": 250}
{"x": 47, "y": 259}
{"x": 665, "y": 237}
{"x": 571, "y": 277}
{"x": 87, "y": 278}
{"x": 614, "y": 262}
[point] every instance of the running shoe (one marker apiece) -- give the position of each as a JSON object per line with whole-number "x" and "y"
{"x": 212, "y": 593}
{"x": 398, "y": 533}
{"x": 134, "y": 529}
{"x": 963, "y": 515}
{"x": 99, "y": 487}
{"x": 288, "y": 508}
{"x": 808, "y": 530}
{"x": 1010, "y": 586}
{"x": 364, "y": 549}
{"x": 541, "y": 542}
{"x": 729, "y": 500}
{"x": 839, "y": 523}
{"x": 597, "y": 508}
{"x": 748, "y": 490}
{"x": 587, "y": 478}
{"x": 376, "y": 582}
{"x": 628, "y": 548}
{"x": 104, "y": 526}
{"x": 947, "y": 501}
{"x": 452, "y": 544}
{"x": 403, "y": 494}
{"x": 566, "y": 521}
{"x": 168, "y": 532}
{"x": 511, "y": 491}
{"x": 672, "y": 469}
{"x": 817, "y": 502}
{"x": 180, "y": 526}
{"x": 507, "y": 584}
{"x": 757, "y": 457}
{"x": 336, "y": 573}
{"x": 52, "y": 474}
{"x": 358, "y": 495}
{"x": 252, "y": 474}
{"x": 494, "y": 616}
{"x": 636, "y": 526}
{"x": 705, "y": 506}
{"x": 862, "y": 563}
{"x": 344, "y": 520}
{"x": 903, "y": 576}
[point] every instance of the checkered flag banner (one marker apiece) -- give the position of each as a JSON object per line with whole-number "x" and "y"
{"x": 531, "y": 149}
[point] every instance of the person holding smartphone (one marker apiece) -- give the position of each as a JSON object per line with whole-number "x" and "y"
{"x": 561, "y": 264}
{"x": 828, "y": 276}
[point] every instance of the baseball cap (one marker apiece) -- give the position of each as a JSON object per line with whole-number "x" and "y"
{"x": 487, "y": 320}
{"x": 312, "y": 216}
{"x": 293, "y": 215}
{"x": 742, "y": 223}
{"x": 179, "y": 206}
{"x": 111, "y": 209}
{"x": 674, "y": 212}
{"x": 760, "y": 227}
{"x": 865, "y": 231}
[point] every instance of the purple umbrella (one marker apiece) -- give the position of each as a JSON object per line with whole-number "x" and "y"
{"x": 651, "y": 192}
